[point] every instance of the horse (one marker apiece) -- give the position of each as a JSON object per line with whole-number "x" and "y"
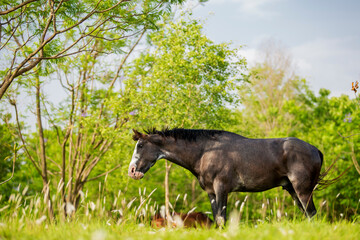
{"x": 187, "y": 220}
{"x": 225, "y": 162}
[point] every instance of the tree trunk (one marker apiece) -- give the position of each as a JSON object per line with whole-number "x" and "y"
{"x": 193, "y": 197}
{"x": 46, "y": 187}
{"x": 167, "y": 205}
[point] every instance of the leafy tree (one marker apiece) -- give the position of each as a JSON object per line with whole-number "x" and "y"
{"x": 42, "y": 38}
{"x": 46, "y": 30}
{"x": 184, "y": 80}
{"x": 270, "y": 85}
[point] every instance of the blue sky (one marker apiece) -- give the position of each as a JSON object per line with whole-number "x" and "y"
{"x": 323, "y": 36}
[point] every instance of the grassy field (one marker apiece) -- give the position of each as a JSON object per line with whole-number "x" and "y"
{"x": 24, "y": 217}
{"x": 105, "y": 230}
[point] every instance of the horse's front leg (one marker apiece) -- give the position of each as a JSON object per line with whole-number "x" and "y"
{"x": 212, "y": 198}
{"x": 221, "y": 202}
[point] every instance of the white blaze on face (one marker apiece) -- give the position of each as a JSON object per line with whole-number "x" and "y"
{"x": 135, "y": 157}
{"x": 133, "y": 165}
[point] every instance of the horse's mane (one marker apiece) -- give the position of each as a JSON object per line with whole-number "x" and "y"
{"x": 185, "y": 134}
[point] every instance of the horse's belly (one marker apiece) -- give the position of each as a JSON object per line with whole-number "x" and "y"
{"x": 248, "y": 184}
{"x": 252, "y": 189}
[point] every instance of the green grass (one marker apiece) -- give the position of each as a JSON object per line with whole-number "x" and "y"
{"x": 102, "y": 230}
{"x": 24, "y": 217}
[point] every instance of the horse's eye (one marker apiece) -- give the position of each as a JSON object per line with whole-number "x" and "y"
{"x": 140, "y": 146}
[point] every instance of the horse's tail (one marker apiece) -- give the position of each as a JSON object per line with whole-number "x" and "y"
{"x": 324, "y": 183}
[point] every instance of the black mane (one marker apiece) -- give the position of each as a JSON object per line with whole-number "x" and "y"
{"x": 185, "y": 134}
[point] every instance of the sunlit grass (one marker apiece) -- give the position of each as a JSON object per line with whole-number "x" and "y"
{"x": 25, "y": 217}
{"x": 102, "y": 230}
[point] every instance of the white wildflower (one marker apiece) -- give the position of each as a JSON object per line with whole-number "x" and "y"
{"x": 40, "y": 220}
{"x": 69, "y": 208}
{"x": 191, "y": 210}
{"x": 92, "y": 205}
{"x": 178, "y": 221}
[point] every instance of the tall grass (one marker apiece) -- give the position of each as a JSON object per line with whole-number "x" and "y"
{"x": 22, "y": 208}
{"x": 121, "y": 210}
{"x": 23, "y": 216}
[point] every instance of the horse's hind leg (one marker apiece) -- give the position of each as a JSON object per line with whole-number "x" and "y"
{"x": 288, "y": 187}
{"x": 303, "y": 191}
{"x": 307, "y": 201}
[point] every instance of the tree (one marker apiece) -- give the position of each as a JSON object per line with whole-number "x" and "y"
{"x": 83, "y": 128}
{"x": 42, "y": 38}
{"x": 184, "y": 80}
{"x": 46, "y": 30}
{"x": 271, "y": 84}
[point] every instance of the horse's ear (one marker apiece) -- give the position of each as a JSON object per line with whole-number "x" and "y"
{"x": 137, "y": 135}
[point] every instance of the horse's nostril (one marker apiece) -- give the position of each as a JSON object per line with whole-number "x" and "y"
{"x": 133, "y": 170}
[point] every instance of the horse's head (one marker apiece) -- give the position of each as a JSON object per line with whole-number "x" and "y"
{"x": 147, "y": 152}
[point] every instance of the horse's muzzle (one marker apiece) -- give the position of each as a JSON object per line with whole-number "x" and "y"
{"x": 135, "y": 174}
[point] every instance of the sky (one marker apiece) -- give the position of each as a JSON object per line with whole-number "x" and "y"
{"x": 322, "y": 36}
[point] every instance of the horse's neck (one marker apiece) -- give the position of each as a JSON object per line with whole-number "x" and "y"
{"x": 184, "y": 154}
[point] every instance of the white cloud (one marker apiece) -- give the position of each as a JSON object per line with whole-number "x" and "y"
{"x": 250, "y": 54}
{"x": 325, "y": 47}
{"x": 259, "y": 8}
{"x": 329, "y": 63}
{"x": 302, "y": 65}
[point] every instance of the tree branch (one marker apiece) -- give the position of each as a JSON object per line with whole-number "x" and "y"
{"x": 103, "y": 174}
{"x": 13, "y": 32}
{"x": 16, "y": 7}
{"x": 13, "y": 102}
{"x": 13, "y": 167}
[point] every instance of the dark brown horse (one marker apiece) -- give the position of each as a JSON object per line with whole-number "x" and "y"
{"x": 225, "y": 162}
{"x": 188, "y": 220}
